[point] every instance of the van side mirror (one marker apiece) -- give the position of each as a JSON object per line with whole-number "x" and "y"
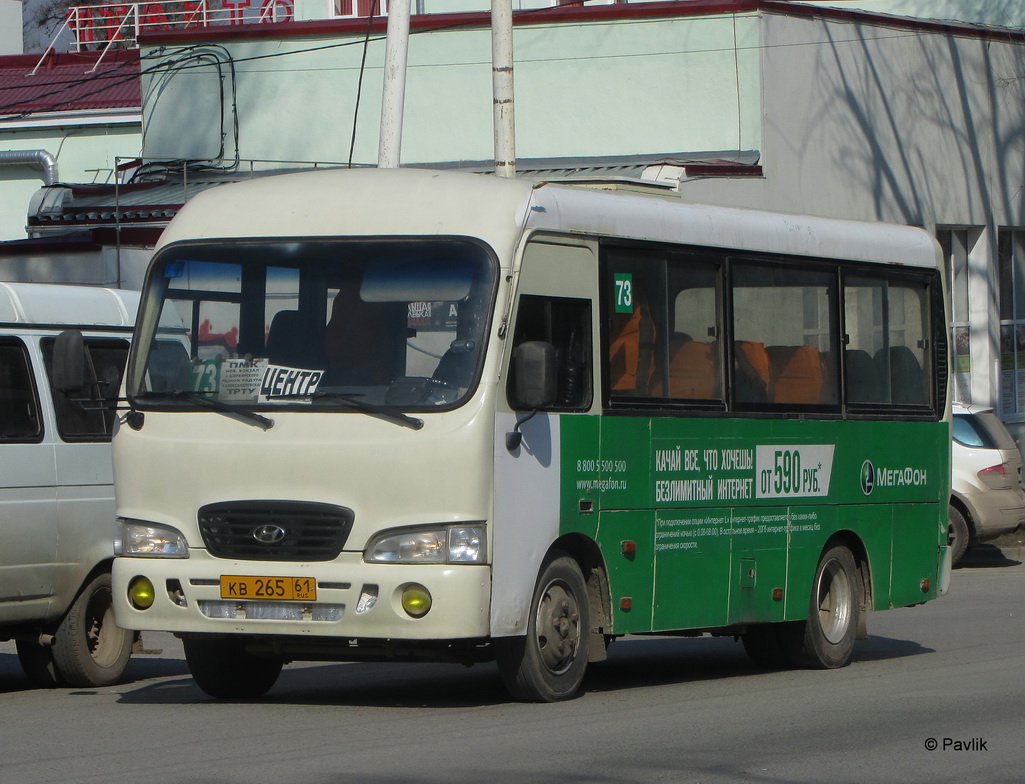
{"x": 536, "y": 383}
{"x": 69, "y": 362}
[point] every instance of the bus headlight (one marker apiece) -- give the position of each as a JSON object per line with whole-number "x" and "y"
{"x": 452, "y": 544}
{"x": 148, "y": 540}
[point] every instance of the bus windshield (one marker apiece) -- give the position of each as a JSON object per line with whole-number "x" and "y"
{"x": 364, "y": 324}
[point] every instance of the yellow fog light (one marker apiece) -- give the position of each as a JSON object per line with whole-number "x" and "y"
{"x": 416, "y": 600}
{"x": 141, "y": 593}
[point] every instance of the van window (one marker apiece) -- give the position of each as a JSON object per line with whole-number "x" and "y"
{"x": 19, "y": 405}
{"x": 88, "y": 414}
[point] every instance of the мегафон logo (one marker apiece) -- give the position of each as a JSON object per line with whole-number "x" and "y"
{"x": 868, "y": 477}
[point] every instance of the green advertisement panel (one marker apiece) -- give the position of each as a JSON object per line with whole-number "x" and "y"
{"x": 730, "y": 516}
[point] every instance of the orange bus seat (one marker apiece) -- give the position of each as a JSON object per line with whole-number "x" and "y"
{"x": 693, "y": 370}
{"x": 797, "y": 375}
{"x": 631, "y": 344}
{"x": 752, "y": 372}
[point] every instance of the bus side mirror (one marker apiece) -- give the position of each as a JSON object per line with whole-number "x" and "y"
{"x": 68, "y": 362}
{"x": 536, "y": 384}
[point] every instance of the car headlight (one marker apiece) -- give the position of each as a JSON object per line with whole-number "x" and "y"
{"x": 137, "y": 539}
{"x": 453, "y": 544}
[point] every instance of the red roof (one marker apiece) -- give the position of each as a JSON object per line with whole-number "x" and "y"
{"x": 64, "y": 83}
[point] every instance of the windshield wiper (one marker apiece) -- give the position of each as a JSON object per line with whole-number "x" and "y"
{"x": 228, "y": 409}
{"x": 353, "y": 402}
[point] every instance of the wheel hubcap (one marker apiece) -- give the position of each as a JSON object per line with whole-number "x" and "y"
{"x": 102, "y": 633}
{"x": 835, "y": 600}
{"x": 558, "y": 627}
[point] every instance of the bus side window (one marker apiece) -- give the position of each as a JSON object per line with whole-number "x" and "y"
{"x": 887, "y": 356}
{"x": 785, "y": 337}
{"x": 693, "y": 368}
{"x": 631, "y": 349}
{"x": 566, "y": 324}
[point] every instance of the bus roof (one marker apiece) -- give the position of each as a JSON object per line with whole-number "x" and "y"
{"x": 424, "y": 202}
{"x": 56, "y": 304}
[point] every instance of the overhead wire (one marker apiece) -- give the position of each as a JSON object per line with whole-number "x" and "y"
{"x": 160, "y": 54}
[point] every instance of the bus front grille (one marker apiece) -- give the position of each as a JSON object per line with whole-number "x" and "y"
{"x": 275, "y": 530}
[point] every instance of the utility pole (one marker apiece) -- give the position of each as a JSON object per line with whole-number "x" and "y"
{"x": 396, "y": 47}
{"x": 502, "y": 86}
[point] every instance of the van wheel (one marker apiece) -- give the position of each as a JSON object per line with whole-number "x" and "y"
{"x": 826, "y": 639}
{"x": 89, "y": 649}
{"x": 548, "y": 663}
{"x": 223, "y": 668}
{"x": 957, "y": 534}
{"x": 37, "y": 662}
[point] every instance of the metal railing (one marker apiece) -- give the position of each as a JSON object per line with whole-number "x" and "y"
{"x": 117, "y": 25}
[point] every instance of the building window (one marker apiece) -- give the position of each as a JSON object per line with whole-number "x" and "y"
{"x": 1012, "y": 322}
{"x": 360, "y": 8}
{"x": 956, "y": 244}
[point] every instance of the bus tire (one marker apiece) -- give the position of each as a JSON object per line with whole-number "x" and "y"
{"x": 548, "y": 663}
{"x": 764, "y": 645}
{"x": 89, "y": 648}
{"x": 37, "y": 662}
{"x": 826, "y": 640}
{"x": 957, "y": 534}
{"x": 223, "y": 668}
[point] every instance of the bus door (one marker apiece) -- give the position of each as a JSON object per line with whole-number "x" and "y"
{"x": 538, "y": 497}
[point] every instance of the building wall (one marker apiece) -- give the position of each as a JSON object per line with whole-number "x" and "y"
{"x": 10, "y": 27}
{"x": 869, "y": 121}
{"x": 1008, "y": 13}
{"x": 582, "y": 89}
{"x": 84, "y": 154}
{"x": 877, "y": 123}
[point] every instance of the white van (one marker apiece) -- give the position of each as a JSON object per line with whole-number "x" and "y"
{"x": 56, "y": 485}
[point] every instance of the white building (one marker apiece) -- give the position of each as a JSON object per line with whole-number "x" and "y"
{"x": 825, "y": 108}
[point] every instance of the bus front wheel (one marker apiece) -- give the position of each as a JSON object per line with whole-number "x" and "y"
{"x": 548, "y": 663}
{"x": 826, "y": 639}
{"x": 223, "y": 668}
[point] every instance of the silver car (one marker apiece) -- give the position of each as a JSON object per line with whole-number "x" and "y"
{"x": 987, "y": 498}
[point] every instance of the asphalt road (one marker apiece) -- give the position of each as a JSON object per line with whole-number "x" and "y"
{"x": 660, "y": 710}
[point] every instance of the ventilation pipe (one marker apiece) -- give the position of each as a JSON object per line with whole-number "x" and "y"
{"x": 39, "y": 158}
{"x": 502, "y": 86}
{"x": 396, "y": 46}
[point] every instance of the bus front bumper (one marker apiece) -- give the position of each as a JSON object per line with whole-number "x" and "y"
{"x": 353, "y": 599}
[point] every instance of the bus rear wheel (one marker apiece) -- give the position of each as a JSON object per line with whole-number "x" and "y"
{"x": 765, "y": 645}
{"x": 224, "y": 669}
{"x": 826, "y": 639}
{"x": 548, "y": 663}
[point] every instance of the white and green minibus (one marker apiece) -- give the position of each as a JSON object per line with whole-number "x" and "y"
{"x": 421, "y": 415}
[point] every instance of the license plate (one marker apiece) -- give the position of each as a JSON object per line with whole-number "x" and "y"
{"x": 302, "y": 589}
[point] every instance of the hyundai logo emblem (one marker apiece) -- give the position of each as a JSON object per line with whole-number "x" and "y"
{"x": 269, "y": 534}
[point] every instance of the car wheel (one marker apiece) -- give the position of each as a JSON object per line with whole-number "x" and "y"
{"x": 37, "y": 662}
{"x": 957, "y": 534}
{"x": 89, "y": 649}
